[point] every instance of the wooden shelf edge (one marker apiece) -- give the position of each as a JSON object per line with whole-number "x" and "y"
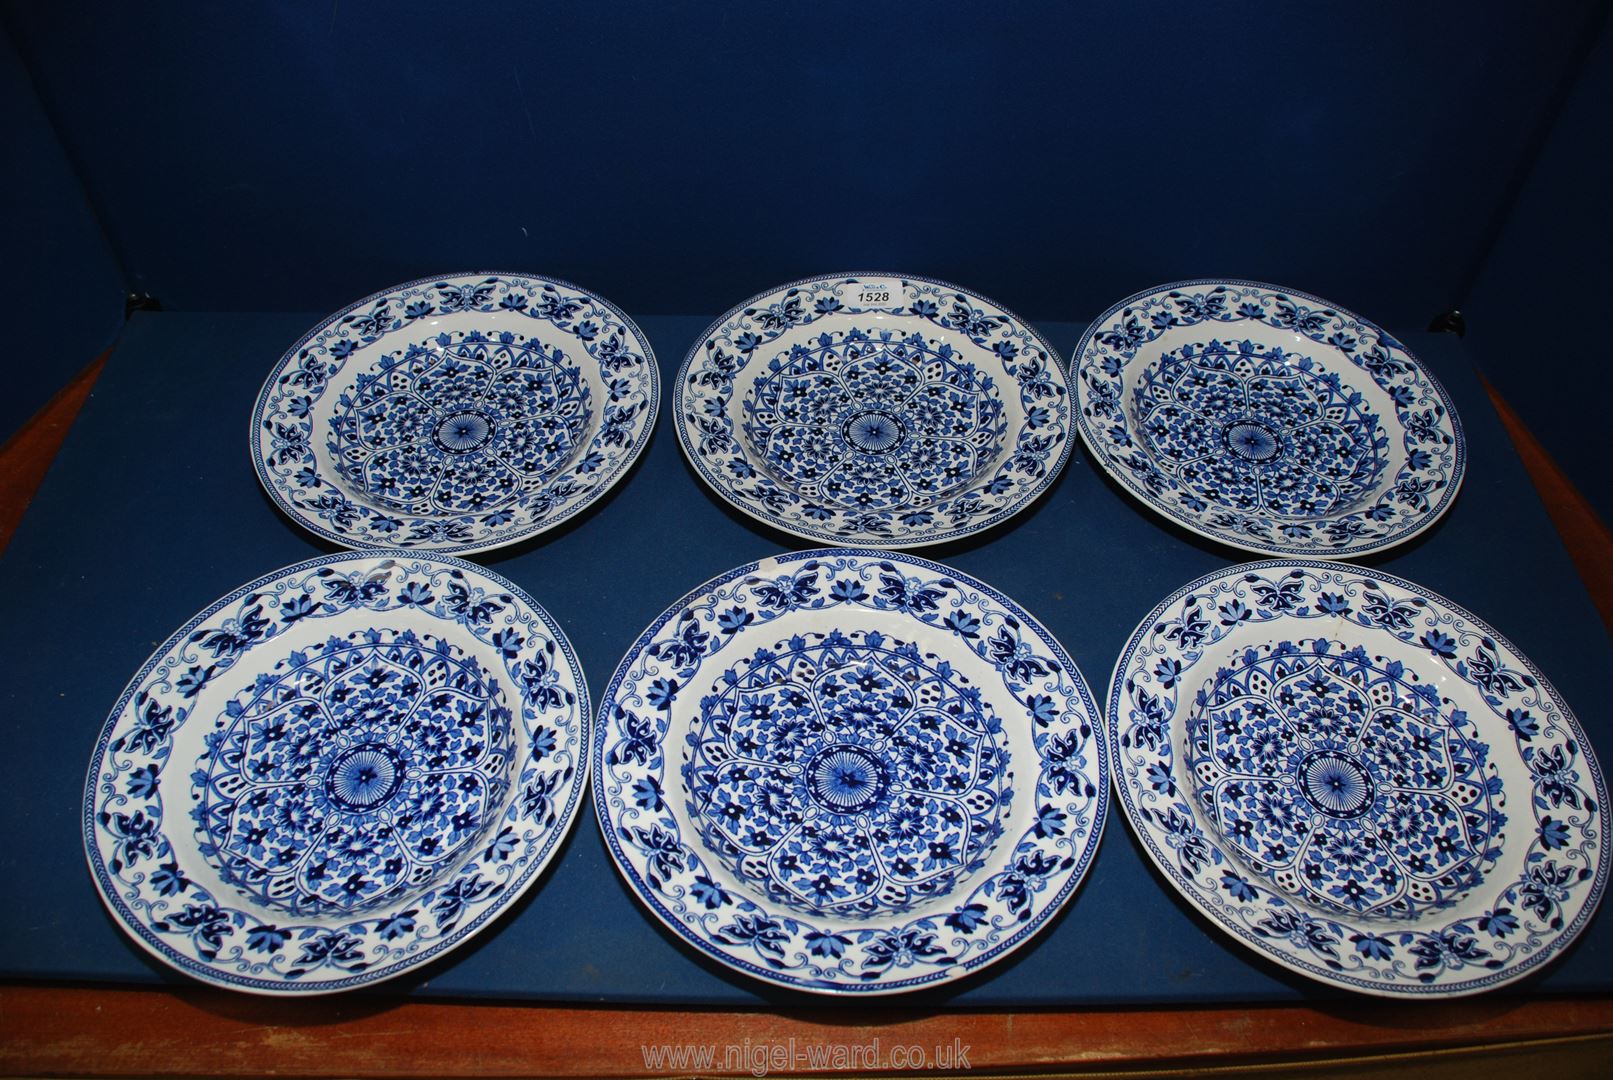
{"x": 52, "y": 1030}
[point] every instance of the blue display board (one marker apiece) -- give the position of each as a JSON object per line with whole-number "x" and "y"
{"x": 296, "y": 156}
{"x": 1552, "y": 250}
{"x": 152, "y": 511}
{"x": 58, "y": 274}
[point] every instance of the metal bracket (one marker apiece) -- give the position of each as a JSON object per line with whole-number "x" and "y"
{"x": 1450, "y": 322}
{"x": 140, "y": 302}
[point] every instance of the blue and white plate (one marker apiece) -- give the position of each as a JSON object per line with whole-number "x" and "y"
{"x": 455, "y": 415}
{"x": 1267, "y": 419}
{"x": 875, "y": 409}
{"x": 337, "y": 773}
{"x": 850, "y": 772}
{"x": 1358, "y": 779}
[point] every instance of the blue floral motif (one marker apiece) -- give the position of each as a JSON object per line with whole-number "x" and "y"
{"x": 1258, "y": 430}
{"x": 808, "y": 769}
{"x": 357, "y": 773}
{"x": 849, "y": 776}
{"x": 1334, "y": 445}
{"x": 381, "y": 752}
{"x": 461, "y": 424}
{"x": 496, "y": 419}
{"x": 893, "y": 412}
{"x": 874, "y": 421}
{"x": 1340, "y": 782}
{"x": 1358, "y": 778}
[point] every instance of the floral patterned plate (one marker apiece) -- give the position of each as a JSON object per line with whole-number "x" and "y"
{"x": 337, "y": 773}
{"x": 1358, "y": 779}
{"x": 455, "y": 415}
{"x": 1267, "y": 419}
{"x": 849, "y": 772}
{"x": 874, "y": 409}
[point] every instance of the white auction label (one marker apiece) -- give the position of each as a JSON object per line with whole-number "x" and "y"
{"x": 863, "y": 294}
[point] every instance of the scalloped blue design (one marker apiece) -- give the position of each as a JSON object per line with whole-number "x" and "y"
{"x": 897, "y": 757}
{"x": 455, "y": 414}
{"x": 370, "y": 755}
{"x": 850, "y": 772}
{"x": 1344, "y": 779}
{"x": 920, "y": 414}
{"x": 353, "y": 772}
{"x": 1358, "y": 779}
{"x": 1334, "y": 444}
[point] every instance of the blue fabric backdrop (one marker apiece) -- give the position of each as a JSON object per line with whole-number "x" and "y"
{"x": 59, "y": 277}
{"x": 677, "y": 157}
{"x": 1556, "y": 245}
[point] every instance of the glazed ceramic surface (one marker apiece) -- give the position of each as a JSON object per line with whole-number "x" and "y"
{"x": 1358, "y": 779}
{"x": 843, "y": 771}
{"x": 337, "y": 773}
{"x": 455, "y": 415}
{"x": 1267, "y": 419}
{"x": 874, "y": 409}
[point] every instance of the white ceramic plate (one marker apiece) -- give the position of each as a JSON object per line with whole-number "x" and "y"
{"x": 455, "y": 415}
{"x": 1358, "y": 779}
{"x": 1267, "y": 419}
{"x": 876, "y": 409}
{"x": 850, "y": 772}
{"x": 337, "y": 773}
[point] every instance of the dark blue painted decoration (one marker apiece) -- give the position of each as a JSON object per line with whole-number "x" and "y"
{"x": 1557, "y": 237}
{"x": 679, "y": 156}
{"x": 65, "y": 289}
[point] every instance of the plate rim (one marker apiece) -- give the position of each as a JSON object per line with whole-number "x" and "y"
{"x": 717, "y": 487}
{"x": 595, "y": 494}
{"x": 1262, "y": 948}
{"x": 135, "y": 930}
{"x": 1101, "y": 456}
{"x": 1023, "y": 935}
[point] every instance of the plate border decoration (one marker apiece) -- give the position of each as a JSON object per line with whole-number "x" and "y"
{"x": 1046, "y": 858}
{"x": 282, "y": 438}
{"x": 725, "y": 464}
{"x": 1443, "y": 953}
{"x": 1419, "y": 398}
{"x": 141, "y": 879}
